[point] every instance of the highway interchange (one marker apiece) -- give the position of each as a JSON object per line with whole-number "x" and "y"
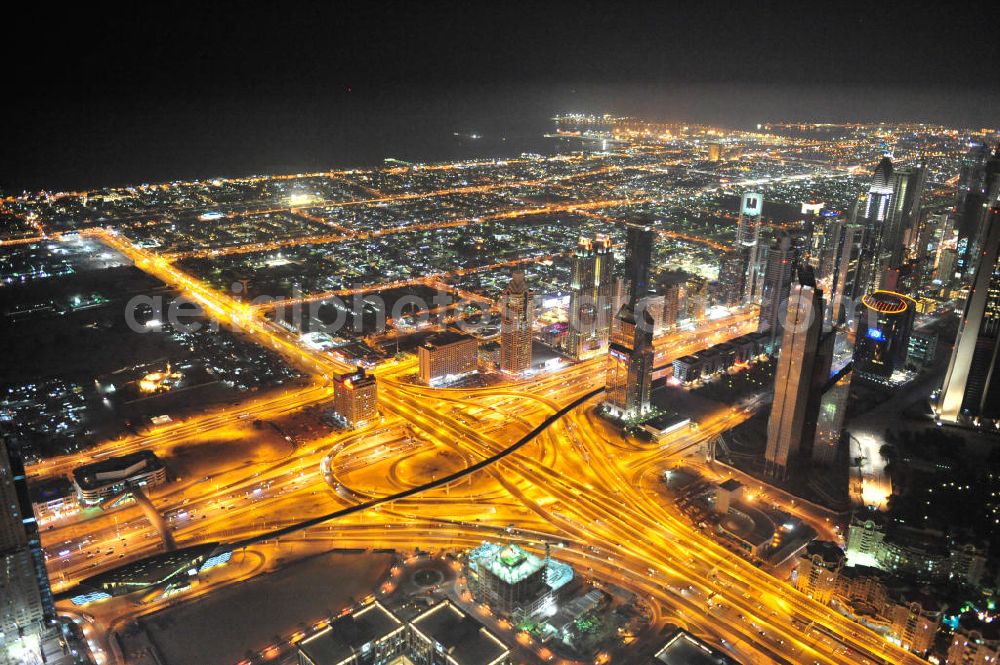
{"x": 578, "y": 484}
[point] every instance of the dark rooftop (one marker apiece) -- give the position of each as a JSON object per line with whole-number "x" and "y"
{"x": 829, "y": 551}
{"x": 461, "y": 636}
{"x": 445, "y": 338}
{"x": 86, "y": 476}
{"x": 685, "y": 649}
{"x": 47, "y": 490}
{"x": 348, "y": 634}
{"x": 730, "y": 484}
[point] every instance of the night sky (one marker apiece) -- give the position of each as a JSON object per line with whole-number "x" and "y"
{"x": 154, "y": 91}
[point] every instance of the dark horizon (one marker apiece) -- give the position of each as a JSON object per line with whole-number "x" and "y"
{"x": 156, "y": 95}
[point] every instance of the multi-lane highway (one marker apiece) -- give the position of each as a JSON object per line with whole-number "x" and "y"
{"x": 446, "y": 468}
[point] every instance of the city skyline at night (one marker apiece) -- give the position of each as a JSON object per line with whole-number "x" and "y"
{"x": 475, "y": 335}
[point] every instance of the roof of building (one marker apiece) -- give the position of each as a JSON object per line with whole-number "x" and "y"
{"x": 730, "y": 484}
{"x": 348, "y": 634}
{"x": 665, "y": 421}
{"x": 48, "y": 490}
{"x": 579, "y": 606}
{"x": 907, "y": 594}
{"x": 460, "y": 635}
{"x": 354, "y": 379}
{"x": 748, "y": 524}
{"x": 828, "y": 550}
{"x": 154, "y": 569}
{"x": 517, "y": 285}
{"x": 859, "y": 571}
{"x": 510, "y": 563}
{"x": 882, "y": 176}
{"x": 98, "y": 474}
{"x": 685, "y": 649}
{"x": 887, "y": 302}
{"x": 445, "y": 338}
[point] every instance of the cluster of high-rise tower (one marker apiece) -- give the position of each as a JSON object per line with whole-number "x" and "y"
{"x": 875, "y": 264}
{"x": 850, "y": 282}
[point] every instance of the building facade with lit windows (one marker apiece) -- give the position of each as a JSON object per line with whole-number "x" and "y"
{"x": 978, "y": 190}
{"x": 907, "y": 188}
{"x": 715, "y": 152}
{"x": 732, "y": 278}
{"x": 446, "y": 357}
{"x": 630, "y": 354}
{"x": 883, "y": 335}
{"x": 914, "y": 619}
{"x": 848, "y": 239}
{"x": 775, "y": 286}
{"x": 873, "y": 212}
{"x": 787, "y": 424}
{"x": 818, "y": 570}
{"x": 355, "y": 397}
{"x": 970, "y": 391}
{"x": 513, "y": 581}
{"x": 748, "y": 241}
{"x": 591, "y": 292}
{"x": 516, "y": 316}
{"x": 27, "y": 612}
{"x": 116, "y": 475}
{"x": 830, "y": 421}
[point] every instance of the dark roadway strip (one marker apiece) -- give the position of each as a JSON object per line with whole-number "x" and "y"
{"x": 478, "y": 466}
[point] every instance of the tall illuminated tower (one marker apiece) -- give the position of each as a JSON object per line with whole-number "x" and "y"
{"x": 793, "y": 379}
{"x": 775, "y": 286}
{"x": 515, "y": 325}
{"x": 873, "y": 213}
{"x": 885, "y": 320}
{"x": 830, "y": 421}
{"x": 848, "y": 239}
{"x": 590, "y": 296}
{"x": 970, "y": 205}
{"x": 971, "y": 389}
{"x": 27, "y": 613}
{"x": 901, "y": 229}
{"x": 748, "y": 241}
{"x": 630, "y": 354}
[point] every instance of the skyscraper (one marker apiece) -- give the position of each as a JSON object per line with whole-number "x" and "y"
{"x": 883, "y": 334}
{"x": 696, "y": 289}
{"x": 829, "y": 243}
{"x": 748, "y": 241}
{"x": 793, "y": 379}
{"x": 27, "y": 613}
{"x": 934, "y": 230}
{"x": 515, "y": 325}
{"x": 970, "y": 388}
{"x": 590, "y": 296}
{"x": 970, "y": 205}
{"x": 630, "y": 354}
{"x": 775, "y": 286}
{"x": 830, "y": 421}
{"x": 355, "y": 397}
{"x": 904, "y": 211}
{"x": 845, "y": 282}
{"x": 715, "y": 152}
{"x": 873, "y": 212}
{"x": 732, "y": 278}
